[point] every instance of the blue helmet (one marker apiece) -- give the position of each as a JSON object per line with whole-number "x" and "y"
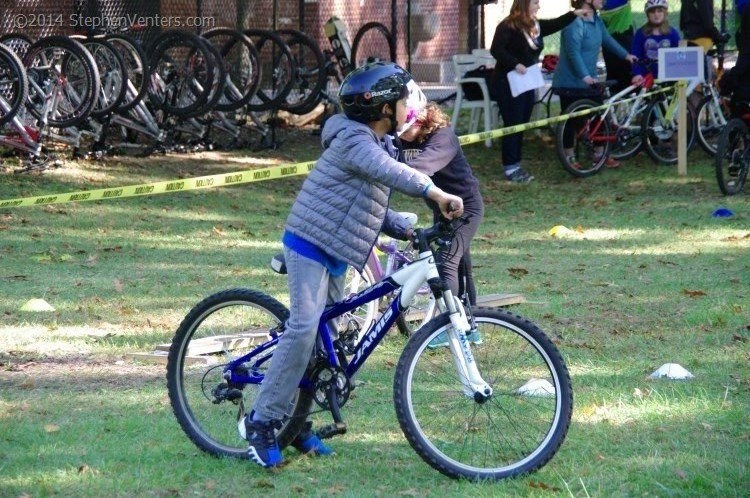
{"x": 368, "y": 88}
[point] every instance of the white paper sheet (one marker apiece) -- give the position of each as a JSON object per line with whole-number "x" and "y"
{"x": 520, "y": 83}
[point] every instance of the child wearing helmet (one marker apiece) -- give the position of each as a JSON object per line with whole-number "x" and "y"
{"x": 333, "y": 223}
{"x": 655, "y": 34}
{"x": 431, "y": 146}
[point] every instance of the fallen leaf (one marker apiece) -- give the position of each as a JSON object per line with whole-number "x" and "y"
{"x": 49, "y": 428}
{"x": 218, "y": 231}
{"x": 390, "y": 363}
{"x": 707, "y": 426}
{"x": 517, "y": 272}
{"x": 681, "y": 473}
{"x": 118, "y": 285}
{"x": 693, "y": 293}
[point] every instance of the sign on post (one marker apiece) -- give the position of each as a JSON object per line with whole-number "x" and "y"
{"x": 683, "y": 64}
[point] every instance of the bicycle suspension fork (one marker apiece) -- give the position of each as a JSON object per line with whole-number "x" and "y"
{"x": 472, "y": 383}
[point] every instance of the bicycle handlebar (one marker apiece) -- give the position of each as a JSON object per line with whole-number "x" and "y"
{"x": 443, "y": 229}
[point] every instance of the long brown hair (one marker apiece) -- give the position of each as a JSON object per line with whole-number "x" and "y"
{"x": 519, "y": 18}
{"x": 431, "y": 119}
{"x": 663, "y": 28}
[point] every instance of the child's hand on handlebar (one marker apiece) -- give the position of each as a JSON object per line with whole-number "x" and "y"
{"x": 451, "y": 206}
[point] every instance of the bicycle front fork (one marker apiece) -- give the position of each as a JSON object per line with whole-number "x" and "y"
{"x": 473, "y": 385}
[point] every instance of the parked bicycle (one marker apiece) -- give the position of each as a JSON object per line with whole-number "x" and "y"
{"x": 733, "y": 151}
{"x": 478, "y": 412}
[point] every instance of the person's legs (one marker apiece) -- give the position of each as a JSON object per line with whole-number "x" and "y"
{"x": 455, "y": 264}
{"x": 308, "y": 290}
{"x": 514, "y": 110}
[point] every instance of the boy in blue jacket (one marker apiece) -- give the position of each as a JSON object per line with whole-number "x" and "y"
{"x": 334, "y": 222}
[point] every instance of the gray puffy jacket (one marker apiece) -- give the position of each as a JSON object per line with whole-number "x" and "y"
{"x": 343, "y": 204}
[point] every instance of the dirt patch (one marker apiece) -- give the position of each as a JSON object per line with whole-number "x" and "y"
{"x": 75, "y": 373}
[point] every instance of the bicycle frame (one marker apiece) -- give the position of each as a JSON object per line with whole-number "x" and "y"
{"x": 409, "y": 279}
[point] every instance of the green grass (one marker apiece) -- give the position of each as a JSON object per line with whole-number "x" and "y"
{"x": 649, "y": 277}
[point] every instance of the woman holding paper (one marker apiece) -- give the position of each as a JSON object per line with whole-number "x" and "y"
{"x": 517, "y": 44}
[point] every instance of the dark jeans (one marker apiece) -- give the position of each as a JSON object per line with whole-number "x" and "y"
{"x": 619, "y": 69}
{"x": 455, "y": 261}
{"x": 514, "y": 111}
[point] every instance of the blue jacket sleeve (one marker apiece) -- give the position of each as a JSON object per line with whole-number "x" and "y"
{"x": 571, "y": 38}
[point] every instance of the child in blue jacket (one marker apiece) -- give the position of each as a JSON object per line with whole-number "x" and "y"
{"x": 334, "y": 222}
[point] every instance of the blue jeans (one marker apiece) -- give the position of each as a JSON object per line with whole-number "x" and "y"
{"x": 311, "y": 287}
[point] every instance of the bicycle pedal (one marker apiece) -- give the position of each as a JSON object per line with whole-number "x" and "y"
{"x": 328, "y": 431}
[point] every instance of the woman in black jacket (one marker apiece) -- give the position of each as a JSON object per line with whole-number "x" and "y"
{"x": 517, "y": 44}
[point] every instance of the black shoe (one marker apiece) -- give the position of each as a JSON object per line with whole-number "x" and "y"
{"x": 264, "y": 449}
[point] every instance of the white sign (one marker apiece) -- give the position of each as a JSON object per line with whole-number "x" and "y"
{"x": 682, "y": 63}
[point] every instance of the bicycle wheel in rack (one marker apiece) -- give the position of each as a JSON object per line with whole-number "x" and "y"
{"x": 136, "y": 69}
{"x": 182, "y": 73}
{"x": 733, "y": 157}
{"x": 220, "y": 328}
{"x": 19, "y": 43}
{"x": 310, "y": 74}
{"x": 587, "y": 136}
{"x": 112, "y": 74}
{"x": 278, "y": 70}
{"x": 373, "y": 42}
{"x": 659, "y": 134}
{"x": 14, "y": 86}
{"x": 517, "y": 430}
{"x": 241, "y": 60}
{"x": 64, "y": 67}
{"x": 711, "y": 120}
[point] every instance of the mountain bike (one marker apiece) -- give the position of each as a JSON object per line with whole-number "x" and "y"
{"x": 614, "y": 130}
{"x": 733, "y": 151}
{"x": 492, "y": 411}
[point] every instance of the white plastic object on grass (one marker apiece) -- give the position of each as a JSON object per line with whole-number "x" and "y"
{"x": 537, "y": 387}
{"x": 37, "y": 305}
{"x": 671, "y": 371}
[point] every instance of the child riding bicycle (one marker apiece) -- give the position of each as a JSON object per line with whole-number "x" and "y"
{"x": 334, "y": 222}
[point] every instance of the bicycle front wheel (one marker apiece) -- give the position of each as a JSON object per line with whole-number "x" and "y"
{"x": 516, "y": 431}
{"x": 223, "y": 327}
{"x": 733, "y": 157}
{"x": 711, "y": 121}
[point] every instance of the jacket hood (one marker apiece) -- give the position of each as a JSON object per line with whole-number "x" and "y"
{"x": 340, "y": 124}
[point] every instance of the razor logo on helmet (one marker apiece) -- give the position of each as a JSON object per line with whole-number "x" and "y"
{"x": 369, "y": 95}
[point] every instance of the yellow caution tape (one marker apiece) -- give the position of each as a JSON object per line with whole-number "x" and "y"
{"x": 257, "y": 175}
{"x": 167, "y": 187}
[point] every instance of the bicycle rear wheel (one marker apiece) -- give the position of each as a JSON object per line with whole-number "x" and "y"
{"x": 222, "y": 327}
{"x": 587, "y": 136}
{"x": 60, "y": 66}
{"x": 659, "y": 134}
{"x": 373, "y": 42}
{"x": 733, "y": 157}
{"x": 711, "y": 120}
{"x": 516, "y": 431}
{"x": 14, "y": 87}
{"x": 309, "y": 76}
